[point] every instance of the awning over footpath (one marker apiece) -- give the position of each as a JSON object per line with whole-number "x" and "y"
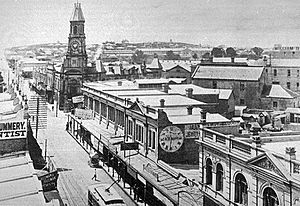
{"x": 163, "y": 177}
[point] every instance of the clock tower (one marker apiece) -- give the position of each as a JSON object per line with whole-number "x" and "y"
{"x": 75, "y": 62}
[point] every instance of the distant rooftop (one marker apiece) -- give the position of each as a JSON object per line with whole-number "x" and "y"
{"x": 244, "y": 73}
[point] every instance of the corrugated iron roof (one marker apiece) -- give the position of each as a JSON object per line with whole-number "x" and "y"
{"x": 228, "y": 73}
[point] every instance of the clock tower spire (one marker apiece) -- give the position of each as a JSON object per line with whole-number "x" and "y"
{"x": 75, "y": 62}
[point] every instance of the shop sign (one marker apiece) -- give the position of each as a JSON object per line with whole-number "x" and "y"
{"x": 49, "y": 181}
{"x": 77, "y": 99}
{"x": 84, "y": 113}
{"x": 192, "y": 130}
{"x": 148, "y": 168}
{"x": 129, "y": 146}
{"x": 13, "y": 129}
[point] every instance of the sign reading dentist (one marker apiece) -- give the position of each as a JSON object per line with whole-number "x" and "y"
{"x": 13, "y": 129}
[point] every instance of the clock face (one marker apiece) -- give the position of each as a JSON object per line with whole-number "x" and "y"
{"x": 75, "y": 45}
{"x": 171, "y": 139}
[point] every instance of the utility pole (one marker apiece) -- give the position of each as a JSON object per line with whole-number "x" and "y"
{"x": 37, "y": 117}
{"x": 45, "y": 149}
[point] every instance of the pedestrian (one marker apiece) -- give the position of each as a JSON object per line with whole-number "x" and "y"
{"x": 67, "y": 126}
{"x": 135, "y": 191}
{"x": 95, "y": 175}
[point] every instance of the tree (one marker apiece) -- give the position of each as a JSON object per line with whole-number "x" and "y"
{"x": 258, "y": 51}
{"x": 217, "y": 52}
{"x": 230, "y": 52}
{"x": 206, "y": 55}
{"x": 171, "y": 56}
{"x": 195, "y": 56}
{"x": 138, "y": 57}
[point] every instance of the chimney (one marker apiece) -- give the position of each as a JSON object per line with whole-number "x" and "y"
{"x": 147, "y": 109}
{"x": 203, "y": 115}
{"x": 119, "y": 83}
{"x": 162, "y": 103}
{"x": 189, "y": 110}
{"x": 189, "y": 92}
{"x": 165, "y": 88}
{"x": 256, "y": 141}
{"x": 291, "y": 152}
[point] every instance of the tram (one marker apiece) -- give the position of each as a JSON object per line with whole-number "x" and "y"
{"x": 104, "y": 194}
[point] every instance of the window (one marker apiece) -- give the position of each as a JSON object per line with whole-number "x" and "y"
{"x": 91, "y": 103}
{"x": 139, "y": 133}
{"x": 130, "y": 128}
{"x": 151, "y": 139}
{"x": 103, "y": 110}
{"x": 111, "y": 113}
{"x": 74, "y": 62}
{"x": 275, "y": 104}
{"x": 240, "y": 190}
{"x": 215, "y": 85}
{"x": 97, "y": 106}
{"x": 85, "y": 101}
{"x": 269, "y": 197}
{"x": 242, "y": 101}
{"x": 219, "y": 177}
{"x": 242, "y": 86}
{"x": 288, "y": 85}
{"x": 208, "y": 172}
{"x": 288, "y": 72}
{"x": 75, "y": 29}
{"x": 120, "y": 118}
{"x": 275, "y": 73}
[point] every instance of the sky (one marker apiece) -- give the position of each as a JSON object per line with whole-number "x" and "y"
{"x": 242, "y": 23}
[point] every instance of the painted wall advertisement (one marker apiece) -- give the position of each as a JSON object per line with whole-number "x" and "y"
{"x": 13, "y": 129}
{"x": 192, "y": 130}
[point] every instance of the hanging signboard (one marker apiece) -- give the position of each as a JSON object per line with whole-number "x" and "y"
{"x": 77, "y": 99}
{"x": 84, "y": 113}
{"x": 49, "y": 181}
{"x": 13, "y": 129}
{"x": 129, "y": 146}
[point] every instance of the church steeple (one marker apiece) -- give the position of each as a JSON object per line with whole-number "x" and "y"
{"x": 77, "y": 14}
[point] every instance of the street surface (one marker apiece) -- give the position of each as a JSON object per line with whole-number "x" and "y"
{"x": 71, "y": 160}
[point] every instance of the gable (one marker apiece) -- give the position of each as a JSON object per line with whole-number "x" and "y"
{"x": 267, "y": 164}
{"x": 178, "y": 68}
{"x": 270, "y": 163}
{"x": 137, "y": 108}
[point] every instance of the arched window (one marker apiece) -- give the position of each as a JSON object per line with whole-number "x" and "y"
{"x": 75, "y": 30}
{"x": 270, "y": 197}
{"x": 208, "y": 172}
{"x": 219, "y": 177}
{"x": 240, "y": 189}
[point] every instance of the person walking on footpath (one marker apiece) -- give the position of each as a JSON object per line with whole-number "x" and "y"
{"x": 95, "y": 175}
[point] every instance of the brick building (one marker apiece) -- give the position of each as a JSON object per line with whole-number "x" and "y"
{"x": 161, "y": 128}
{"x": 246, "y": 82}
{"x": 259, "y": 173}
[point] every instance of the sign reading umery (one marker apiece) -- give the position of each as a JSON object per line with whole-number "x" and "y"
{"x": 13, "y": 129}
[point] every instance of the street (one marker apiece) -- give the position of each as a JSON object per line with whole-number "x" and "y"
{"x": 71, "y": 160}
